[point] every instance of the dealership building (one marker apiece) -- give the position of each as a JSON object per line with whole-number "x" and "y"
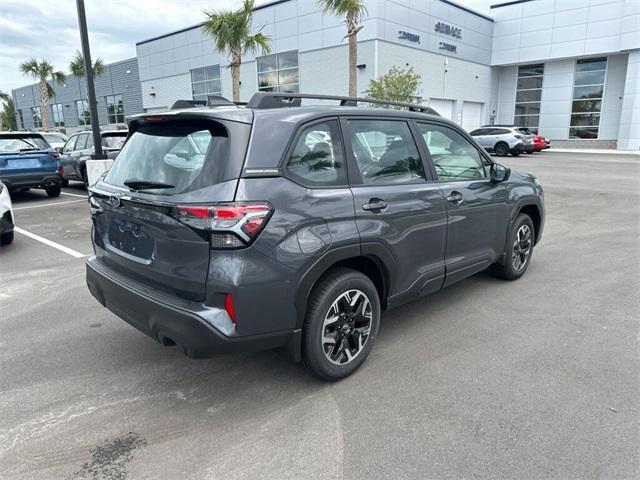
{"x": 569, "y": 69}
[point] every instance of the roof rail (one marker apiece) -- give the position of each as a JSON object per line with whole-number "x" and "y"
{"x": 262, "y": 100}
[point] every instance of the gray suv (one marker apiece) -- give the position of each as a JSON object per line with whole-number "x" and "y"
{"x": 276, "y": 225}
{"x": 503, "y": 140}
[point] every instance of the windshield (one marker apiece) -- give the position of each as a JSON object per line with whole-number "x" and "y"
{"x": 54, "y": 137}
{"x": 114, "y": 141}
{"x": 186, "y": 157}
{"x": 17, "y": 144}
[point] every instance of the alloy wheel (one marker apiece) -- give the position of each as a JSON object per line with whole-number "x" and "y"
{"x": 346, "y": 327}
{"x": 521, "y": 248}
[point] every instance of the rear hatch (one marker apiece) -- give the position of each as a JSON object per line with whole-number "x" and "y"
{"x": 26, "y": 154}
{"x": 170, "y": 165}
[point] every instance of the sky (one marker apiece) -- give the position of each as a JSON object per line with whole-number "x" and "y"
{"x": 49, "y": 28}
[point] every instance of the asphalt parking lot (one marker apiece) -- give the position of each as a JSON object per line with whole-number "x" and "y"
{"x": 536, "y": 378}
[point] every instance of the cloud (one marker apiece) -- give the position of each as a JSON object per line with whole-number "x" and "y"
{"x": 49, "y": 28}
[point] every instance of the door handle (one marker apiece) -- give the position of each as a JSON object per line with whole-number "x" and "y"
{"x": 455, "y": 197}
{"x": 375, "y": 204}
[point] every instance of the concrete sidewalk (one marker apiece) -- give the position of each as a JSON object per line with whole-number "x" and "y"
{"x": 595, "y": 151}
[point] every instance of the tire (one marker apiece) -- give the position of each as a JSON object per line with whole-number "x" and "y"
{"x": 6, "y": 238}
{"x": 501, "y": 149}
{"x": 65, "y": 182}
{"x": 512, "y": 268}
{"x": 85, "y": 180}
{"x": 54, "y": 191}
{"x": 330, "y": 299}
{"x": 515, "y": 153}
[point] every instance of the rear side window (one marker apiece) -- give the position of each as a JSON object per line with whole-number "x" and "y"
{"x": 182, "y": 157}
{"x": 385, "y": 152}
{"x": 453, "y": 156}
{"x": 317, "y": 158}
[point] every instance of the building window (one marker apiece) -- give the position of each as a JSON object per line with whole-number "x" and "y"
{"x": 588, "y": 87}
{"x": 528, "y": 96}
{"x": 205, "y": 81}
{"x": 37, "y": 117}
{"x": 21, "y": 119}
{"x": 84, "y": 116}
{"x": 279, "y": 72}
{"x": 58, "y": 115}
{"x": 115, "y": 109}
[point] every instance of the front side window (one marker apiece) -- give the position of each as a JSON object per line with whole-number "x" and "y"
{"x": 385, "y": 152}
{"x": 317, "y": 157}
{"x": 529, "y": 96}
{"x": 205, "y": 81}
{"x": 587, "y": 98}
{"x": 58, "y": 115}
{"x": 37, "y": 117}
{"x": 453, "y": 156}
{"x": 115, "y": 109}
{"x": 279, "y": 72}
{"x": 70, "y": 146}
{"x": 84, "y": 116}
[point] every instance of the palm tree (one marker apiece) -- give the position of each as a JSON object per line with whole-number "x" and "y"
{"x": 76, "y": 66}
{"x": 42, "y": 71}
{"x": 231, "y": 32}
{"x": 8, "y": 113}
{"x": 353, "y": 10}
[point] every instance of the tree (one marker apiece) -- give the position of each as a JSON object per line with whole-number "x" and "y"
{"x": 354, "y": 11}
{"x": 76, "y": 66}
{"x": 8, "y": 114}
{"x": 43, "y": 71}
{"x": 398, "y": 85}
{"x": 231, "y": 32}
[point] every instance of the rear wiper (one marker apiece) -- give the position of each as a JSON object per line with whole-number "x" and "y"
{"x": 135, "y": 184}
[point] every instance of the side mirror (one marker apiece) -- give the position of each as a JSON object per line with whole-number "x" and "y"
{"x": 499, "y": 173}
{"x": 59, "y": 149}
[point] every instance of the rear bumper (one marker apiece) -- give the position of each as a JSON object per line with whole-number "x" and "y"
{"x": 30, "y": 180}
{"x": 187, "y": 324}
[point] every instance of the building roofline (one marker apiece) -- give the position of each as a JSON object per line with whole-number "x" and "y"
{"x": 198, "y": 25}
{"x": 468, "y": 10}
{"x": 506, "y": 4}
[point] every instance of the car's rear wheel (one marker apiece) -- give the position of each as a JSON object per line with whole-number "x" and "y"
{"x": 341, "y": 325}
{"x": 6, "y": 238}
{"x": 518, "y": 250}
{"x": 501, "y": 149}
{"x": 54, "y": 190}
{"x": 515, "y": 153}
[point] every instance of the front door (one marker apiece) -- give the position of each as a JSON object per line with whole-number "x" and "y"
{"x": 477, "y": 210}
{"x": 400, "y": 213}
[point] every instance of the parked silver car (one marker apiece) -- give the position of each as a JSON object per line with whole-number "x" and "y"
{"x": 503, "y": 140}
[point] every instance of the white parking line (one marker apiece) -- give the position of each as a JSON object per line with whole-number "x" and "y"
{"x": 51, "y": 244}
{"x": 48, "y": 204}
{"x": 73, "y": 195}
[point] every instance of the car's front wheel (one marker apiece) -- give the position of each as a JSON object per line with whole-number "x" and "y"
{"x": 341, "y": 325}
{"x": 518, "y": 250}
{"x": 6, "y": 238}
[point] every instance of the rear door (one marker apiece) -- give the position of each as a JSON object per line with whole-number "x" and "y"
{"x": 154, "y": 234}
{"x": 399, "y": 211}
{"x": 477, "y": 208}
{"x": 24, "y": 154}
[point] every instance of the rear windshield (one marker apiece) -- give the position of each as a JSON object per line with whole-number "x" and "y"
{"x": 113, "y": 140}
{"x": 15, "y": 143}
{"x": 187, "y": 158}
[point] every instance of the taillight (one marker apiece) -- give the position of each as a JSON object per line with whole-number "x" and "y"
{"x": 61, "y": 170}
{"x": 519, "y": 136}
{"x": 232, "y": 225}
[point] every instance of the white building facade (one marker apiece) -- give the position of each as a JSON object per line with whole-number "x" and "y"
{"x": 569, "y": 69}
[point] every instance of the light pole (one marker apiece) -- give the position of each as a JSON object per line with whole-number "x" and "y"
{"x": 91, "y": 91}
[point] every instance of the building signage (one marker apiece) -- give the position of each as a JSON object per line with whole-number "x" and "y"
{"x": 455, "y": 32}
{"x": 408, "y": 36}
{"x": 448, "y": 47}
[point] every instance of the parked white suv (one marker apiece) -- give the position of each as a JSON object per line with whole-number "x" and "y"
{"x": 6, "y": 216}
{"x": 503, "y": 140}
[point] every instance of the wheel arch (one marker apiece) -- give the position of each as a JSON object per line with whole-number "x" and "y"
{"x": 534, "y": 213}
